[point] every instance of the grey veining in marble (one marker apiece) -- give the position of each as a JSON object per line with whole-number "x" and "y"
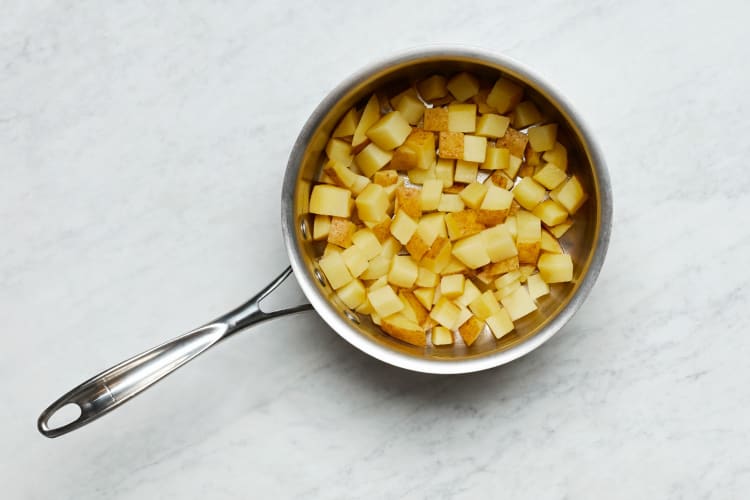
{"x": 142, "y": 147}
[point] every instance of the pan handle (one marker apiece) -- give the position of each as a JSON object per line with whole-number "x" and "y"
{"x": 111, "y": 388}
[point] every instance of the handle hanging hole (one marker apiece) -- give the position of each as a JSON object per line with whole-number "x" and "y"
{"x": 64, "y": 415}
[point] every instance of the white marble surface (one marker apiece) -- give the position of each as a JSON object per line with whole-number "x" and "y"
{"x": 142, "y": 147}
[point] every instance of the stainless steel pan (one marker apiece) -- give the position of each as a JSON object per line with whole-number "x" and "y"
{"x": 587, "y": 241}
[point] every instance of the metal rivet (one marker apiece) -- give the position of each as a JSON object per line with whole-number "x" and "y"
{"x": 320, "y": 277}
{"x": 303, "y": 228}
{"x": 352, "y": 317}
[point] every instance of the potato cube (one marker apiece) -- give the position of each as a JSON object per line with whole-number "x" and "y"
{"x": 466, "y": 171}
{"x": 404, "y": 158}
{"x": 558, "y": 155}
{"x": 462, "y": 224}
{"x": 455, "y": 266}
{"x": 533, "y": 158}
{"x": 450, "y": 203}
{"x": 480, "y": 99}
{"x": 472, "y": 251}
{"x": 391, "y": 247}
{"x": 409, "y": 200}
{"x": 537, "y": 286}
{"x": 526, "y": 270}
{"x": 470, "y": 330}
{"x": 404, "y": 329}
{"x": 425, "y": 295}
{"x": 321, "y": 226}
{"x": 570, "y": 195}
{"x": 431, "y": 226}
{"x": 352, "y": 294}
{"x": 410, "y": 107}
{"x": 341, "y": 231}
{"x": 496, "y": 199}
{"x": 438, "y": 256}
{"x": 550, "y": 176}
{"x": 331, "y": 248}
{"x": 508, "y": 279}
{"x": 370, "y": 115}
{"x": 384, "y": 301}
{"x": 433, "y": 87}
{"x": 451, "y": 145}
{"x": 559, "y": 230}
{"x": 529, "y": 193}
{"x": 355, "y": 260}
{"x": 492, "y": 125}
{"x": 514, "y": 140}
{"x": 441, "y": 336}
{"x": 525, "y": 114}
{"x": 500, "y": 324}
{"x": 372, "y": 158}
{"x": 372, "y": 203}
{"x": 403, "y": 227}
{"x": 500, "y": 179}
{"x": 417, "y": 152}
{"x": 378, "y": 283}
{"x": 543, "y": 137}
{"x": 502, "y": 266}
{"x": 359, "y": 184}
{"x": 377, "y": 268}
{"x": 555, "y": 268}
{"x": 427, "y": 278}
{"x": 347, "y": 125}
{"x": 485, "y": 305}
{"x": 452, "y": 286}
{"x": 519, "y": 303}
{"x": 385, "y": 177}
{"x": 463, "y": 86}
{"x": 330, "y": 200}
{"x": 436, "y": 119}
{"x": 420, "y": 311}
{"x": 496, "y": 158}
{"x": 475, "y": 148}
{"x": 430, "y": 194}
{"x": 339, "y": 151}
{"x": 462, "y": 117}
{"x": 367, "y": 242}
{"x": 550, "y": 212}
{"x": 505, "y": 95}
{"x": 511, "y": 226}
{"x": 513, "y": 167}
{"x": 499, "y": 243}
{"x": 528, "y": 238}
{"x": 470, "y": 293}
{"x": 334, "y": 267}
{"x": 473, "y": 194}
{"x": 446, "y": 313}
{"x": 339, "y": 173}
{"x": 381, "y": 229}
{"x": 550, "y": 243}
{"x": 403, "y": 272}
{"x": 444, "y": 171}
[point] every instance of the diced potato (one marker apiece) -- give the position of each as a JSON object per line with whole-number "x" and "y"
{"x": 340, "y": 151}
{"x": 347, "y": 125}
{"x": 359, "y": 184}
{"x": 417, "y": 152}
{"x": 463, "y": 316}
{"x": 452, "y": 286}
{"x": 378, "y": 283}
{"x": 525, "y": 114}
{"x": 431, "y": 226}
{"x": 436, "y": 119}
{"x": 550, "y": 176}
{"x": 427, "y": 278}
{"x": 499, "y": 243}
{"x": 500, "y": 324}
{"x": 409, "y": 200}
{"x": 430, "y": 194}
{"x": 331, "y": 248}
{"x": 550, "y": 243}
{"x": 475, "y": 148}
{"x": 496, "y": 198}
{"x": 390, "y": 247}
{"x": 404, "y": 329}
{"x": 433, "y": 87}
{"x": 403, "y": 272}
{"x": 438, "y": 256}
{"x": 514, "y": 140}
{"x": 377, "y": 268}
{"x": 416, "y": 247}
{"x": 334, "y": 267}
{"x": 441, "y": 336}
{"x": 511, "y": 226}
{"x": 372, "y": 203}
{"x": 526, "y": 170}
{"x": 403, "y": 227}
{"x": 526, "y": 270}
{"x": 420, "y": 311}
{"x": 502, "y": 266}
{"x": 550, "y": 212}
{"x": 543, "y": 137}
{"x": 519, "y": 304}
{"x": 463, "y": 86}
{"x": 529, "y": 193}
{"x": 492, "y": 125}
{"x": 444, "y": 171}
{"x": 450, "y": 203}
{"x": 462, "y": 224}
{"x": 419, "y": 176}
{"x": 372, "y": 158}
{"x": 381, "y": 230}
{"x": 355, "y": 260}
{"x": 330, "y": 200}
{"x": 500, "y": 179}
{"x": 340, "y": 232}
{"x": 480, "y": 99}
{"x": 533, "y": 158}
{"x": 528, "y": 237}
{"x": 537, "y": 286}
{"x": 470, "y": 293}
{"x": 451, "y": 145}
{"x": 446, "y": 313}
{"x": 570, "y": 195}
{"x": 410, "y": 107}
{"x": 385, "y": 177}
{"x": 559, "y": 230}
{"x": 466, "y": 171}
{"x": 508, "y": 279}
{"x": 367, "y": 242}
{"x": 496, "y": 158}
{"x": 555, "y": 268}
{"x": 425, "y": 296}
{"x": 473, "y": 194}
{"x": 505, "y": 95}
{"x": 471, "y": 329}
{"x": 370, "y": 115}
{"x": 352, "y": 294}
{"x": 321, "y": 226}
{"x": 506, "y": 290}
{"x": 462, "y": 117}
{"x": 558, "y": 155}
{"x": 455, "y": 266}
{"x": 365, "y": 307}
{"x": 472, "y": 251}
{"x": 485, "y": 305}
{"x": 384, "y": 301}
{"x": 513, "y": 167}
